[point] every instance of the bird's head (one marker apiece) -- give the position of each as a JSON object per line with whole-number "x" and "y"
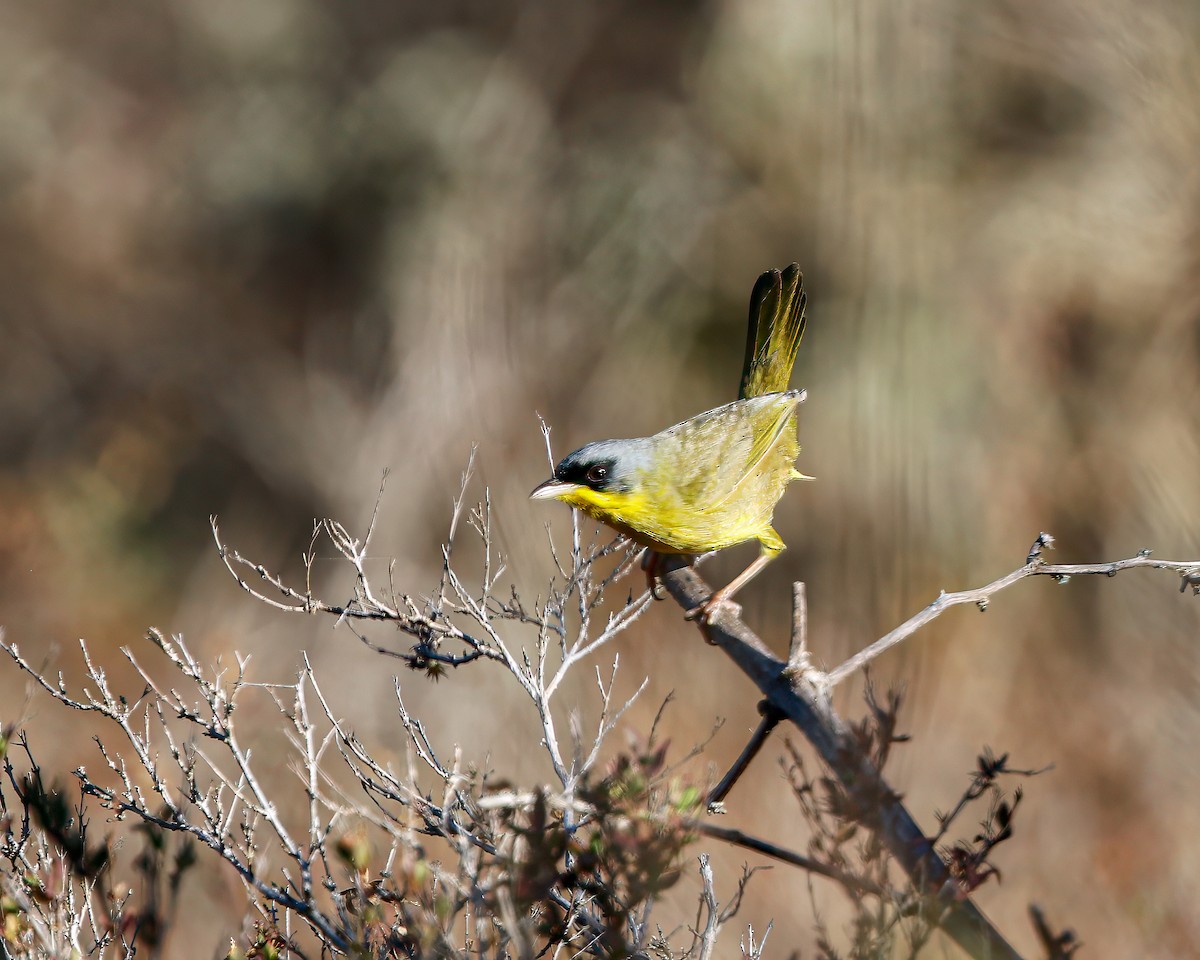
{"x": 601, "y": 478}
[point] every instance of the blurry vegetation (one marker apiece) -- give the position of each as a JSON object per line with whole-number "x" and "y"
{"x": 455, "y": 863}
{"x": 256, "y": 253}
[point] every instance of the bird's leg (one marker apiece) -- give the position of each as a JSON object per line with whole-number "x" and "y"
{"x": 651, "y": 561}
{"x": 708, "y": 609}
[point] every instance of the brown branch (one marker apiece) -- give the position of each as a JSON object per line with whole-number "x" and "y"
{"x": 856, "y": 885}
{"x": 770, "y": 720}
{"x": 808, "y": 708}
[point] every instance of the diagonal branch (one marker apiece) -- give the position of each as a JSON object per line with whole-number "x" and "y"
{"x": 808, "y": 708}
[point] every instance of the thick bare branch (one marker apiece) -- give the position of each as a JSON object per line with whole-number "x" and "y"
{"x": 809, "y": 709}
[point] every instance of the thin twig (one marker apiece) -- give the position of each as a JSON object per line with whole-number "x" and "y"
{"x": 798, "y": 646}
{"x": 770, "y": 720}
{"x": 855, "y": 885}
{"x": 1188, "y": 570}
{"x": 712, "y": 910}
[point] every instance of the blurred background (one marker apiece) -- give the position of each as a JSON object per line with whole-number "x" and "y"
{"x": 254, "y": 254}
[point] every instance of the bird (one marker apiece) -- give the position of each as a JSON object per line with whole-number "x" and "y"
{"x": 712, "y": 481}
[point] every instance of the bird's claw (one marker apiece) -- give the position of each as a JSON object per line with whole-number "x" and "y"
{"x": 707, "y": 611}
{"x": 651, "y": 561}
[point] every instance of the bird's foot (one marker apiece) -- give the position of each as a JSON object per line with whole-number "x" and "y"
{"x": 651, "y": 561}
{"x": 706, "y": 612}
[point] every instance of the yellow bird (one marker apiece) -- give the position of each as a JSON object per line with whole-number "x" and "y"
{"x": 712, "y": 481}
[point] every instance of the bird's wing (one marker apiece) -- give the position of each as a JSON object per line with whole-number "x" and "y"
{"x": 773, "y": 334}
{"x": 769, "y": 418}
{"x": 769, "y": 427}
{"x": 713, "y": 453}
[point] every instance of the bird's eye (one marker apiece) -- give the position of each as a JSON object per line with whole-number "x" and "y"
{"x": 597, "y": 474}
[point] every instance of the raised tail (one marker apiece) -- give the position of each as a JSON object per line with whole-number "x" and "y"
{"x": 776, "y": 326}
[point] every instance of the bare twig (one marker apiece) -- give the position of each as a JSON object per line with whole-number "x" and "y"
{"x": 798, "y": 646}
{"x": 855, "y": 885}
{"x": 770, "y": 720}
{"x": 753, "y": 949}
{"x": 1035, "y": 566}
{"x": 712, "y": 910}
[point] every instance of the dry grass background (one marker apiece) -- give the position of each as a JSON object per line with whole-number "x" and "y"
{"x": 256, "y": 253}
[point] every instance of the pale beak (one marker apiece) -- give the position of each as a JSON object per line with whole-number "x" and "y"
{"x": 552, "y": 489}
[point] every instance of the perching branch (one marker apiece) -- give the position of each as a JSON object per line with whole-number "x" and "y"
{"x": 807, "y": 706}
{"x": 801, "y": 693}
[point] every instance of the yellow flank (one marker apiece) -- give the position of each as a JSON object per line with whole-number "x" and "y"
{"x": 712, "y": 481}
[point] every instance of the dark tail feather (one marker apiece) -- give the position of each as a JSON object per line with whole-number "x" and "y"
{"x": 773, "y": 336}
